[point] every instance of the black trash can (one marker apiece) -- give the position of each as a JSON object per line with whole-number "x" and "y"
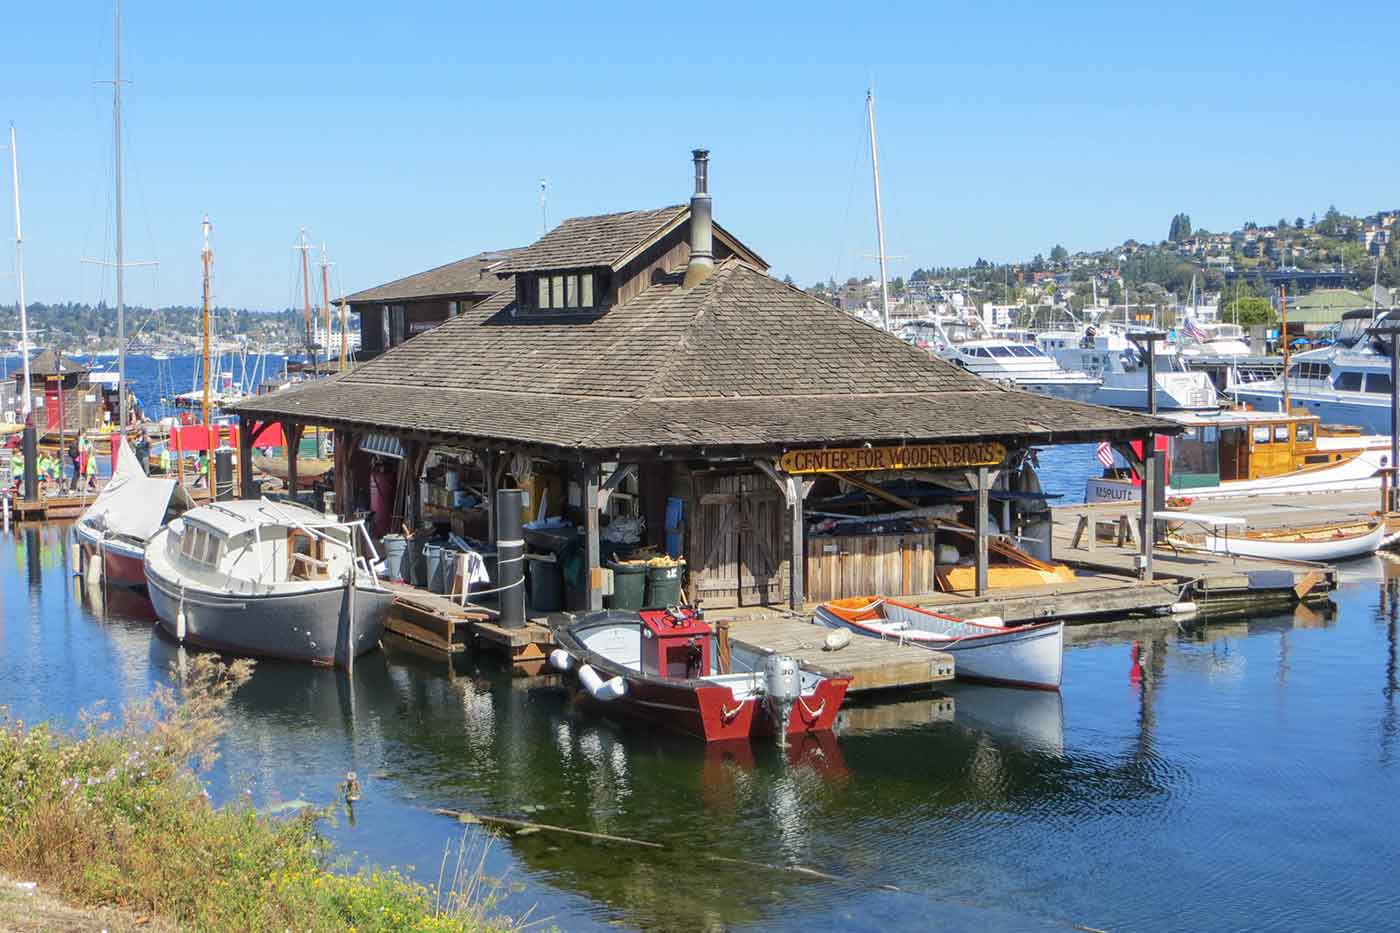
{"x": 546, "y": 585}
{"x": 629, "y": 586}
{"x": 664, "y": 586}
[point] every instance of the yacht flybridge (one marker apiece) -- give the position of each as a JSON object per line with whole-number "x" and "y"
{"x": 1119, "y": 367}
{"x": 1347, "y": 383}
{"x": 1000, "y": 359}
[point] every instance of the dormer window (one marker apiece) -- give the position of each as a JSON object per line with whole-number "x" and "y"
{"x": 565, "y": 291}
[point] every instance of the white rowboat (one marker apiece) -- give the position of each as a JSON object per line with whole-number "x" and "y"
{"x": 1023, "y": 656}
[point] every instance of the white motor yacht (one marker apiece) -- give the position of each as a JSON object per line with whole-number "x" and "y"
{"x": 1119, "y": 367}
{"x": 1347, "y": 383}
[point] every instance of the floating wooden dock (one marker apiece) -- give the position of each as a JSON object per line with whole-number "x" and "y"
{"x": 874, "y": 664}
{"x": 450, "y": 627}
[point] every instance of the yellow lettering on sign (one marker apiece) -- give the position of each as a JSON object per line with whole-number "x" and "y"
{"x": 907, "y": 457}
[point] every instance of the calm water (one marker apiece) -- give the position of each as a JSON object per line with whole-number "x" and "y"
{"x": 1239, "y": 774}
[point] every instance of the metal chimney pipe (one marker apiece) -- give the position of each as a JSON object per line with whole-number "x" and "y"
{"x": 702, "y": 254}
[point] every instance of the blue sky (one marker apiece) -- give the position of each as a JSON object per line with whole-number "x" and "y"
{"x": 407, "y": 135}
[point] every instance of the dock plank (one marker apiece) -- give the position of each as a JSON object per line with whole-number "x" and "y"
{"x": 873, "y": 664}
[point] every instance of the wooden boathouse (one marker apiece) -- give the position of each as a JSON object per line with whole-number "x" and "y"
{"x": 643, "y": 371}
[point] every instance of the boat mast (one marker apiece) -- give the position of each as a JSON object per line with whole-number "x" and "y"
{"x": 121, "y": 258}
{"x": 1283, "y": 333}
{"x": 208, "y": 258}
{"x": 879, "y": 214}
{"x": 326, "y": 298}
{"x": 306, "y": 292}
{"x": 28, "y": 408}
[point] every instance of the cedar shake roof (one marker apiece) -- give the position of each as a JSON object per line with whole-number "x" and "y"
{"x": 740, "y": 359}
{"x": 602, "y": 240}
{"x": 48, "y": 363}
{"x": 476, "y": 275}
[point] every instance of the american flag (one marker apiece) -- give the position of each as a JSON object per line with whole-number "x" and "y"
{"x": 1105, "y": 455}
{"x": 1193, "y": 330}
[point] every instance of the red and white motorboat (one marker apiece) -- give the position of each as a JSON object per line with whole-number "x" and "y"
{"x": 1020, "y": 656}
{"x": 109, "y": 539}
{"x": 658, "y": 665}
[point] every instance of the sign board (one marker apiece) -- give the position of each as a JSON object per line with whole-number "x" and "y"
{"x": 1111, "y": 490}
{"x": 904, "y": 457}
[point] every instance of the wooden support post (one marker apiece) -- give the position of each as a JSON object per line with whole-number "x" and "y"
{"x": 491, "y": 484}
{"x": 245, "y": 458}
{"x": 592, "y": 549}
{"x": 340, "y": 476}
{"x": 797, "y": 501}
{"x": 292, "y": 437}
{"x": 1146, "y": 535}
{"x": 981, "y": 531}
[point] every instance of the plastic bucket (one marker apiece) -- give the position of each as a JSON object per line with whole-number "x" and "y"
{"x": 629, "y": 586}
{"x": 395, "y": 548}
{"x": 663, "y": 586}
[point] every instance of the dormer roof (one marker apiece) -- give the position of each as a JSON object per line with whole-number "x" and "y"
{"x": 610, "y": 241}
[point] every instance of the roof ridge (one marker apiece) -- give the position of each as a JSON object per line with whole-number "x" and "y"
{"x": 503, "y": 254}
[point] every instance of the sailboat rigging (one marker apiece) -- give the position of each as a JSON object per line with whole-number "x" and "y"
{"x": 879, "y": 214}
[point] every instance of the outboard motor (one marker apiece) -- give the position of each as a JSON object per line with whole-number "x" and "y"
{"x": 783, "y": 683}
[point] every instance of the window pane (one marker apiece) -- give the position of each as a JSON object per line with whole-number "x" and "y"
{"x": 571, "y": 291}
{"x": 558, "y": 299}
{"x": 544, "y": 292}
{"x": 1378, "y": 382}
{"x": 1261, "y": 434}
{"x": 1281, "y": 433}
{"x": 1304, "y": 431}
{"x": 586, "y": 281}
{"x": 1349, "y": 382}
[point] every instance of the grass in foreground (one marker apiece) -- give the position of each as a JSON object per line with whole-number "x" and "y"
{"x": 116, "y": 817}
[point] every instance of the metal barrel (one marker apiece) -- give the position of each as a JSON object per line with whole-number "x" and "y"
{"x": 510, "y": 555}
{"x": 223, "y": 474}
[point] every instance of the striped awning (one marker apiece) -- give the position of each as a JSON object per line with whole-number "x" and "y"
{"x": 382, "y": 445}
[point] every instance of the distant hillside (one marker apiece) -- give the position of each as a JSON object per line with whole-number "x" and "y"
{"x": 73, "y": 326}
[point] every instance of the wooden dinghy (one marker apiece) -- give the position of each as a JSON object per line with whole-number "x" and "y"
{"x": 1023, "y": 656}
{"x": 1319, "y": 543}
{"x": 309, "y": 469}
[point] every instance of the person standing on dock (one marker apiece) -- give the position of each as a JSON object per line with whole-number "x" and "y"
{"x": 143, "y": 452}
{"x": 71, "y": 475}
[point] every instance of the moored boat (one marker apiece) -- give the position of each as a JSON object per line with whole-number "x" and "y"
{"x": 659, "y": 665}
{"x": 1244, "y": 453}
{"x": 269, "y": 579}
{"x": 1320, "y": 543}
{"x": 114, "y": 530}
{"x": 1020, "y": 656}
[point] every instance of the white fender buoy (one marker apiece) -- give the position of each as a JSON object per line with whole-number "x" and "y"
{"x": 180, "y": 625}
{"x": 75, "y": 554}
{"x": 560, "y": 660}
{"x": 1184, "y": 609}
{"x": 836, "y": 639}
{"x": 597, "y": 687}
{"x": 94, "y": 567}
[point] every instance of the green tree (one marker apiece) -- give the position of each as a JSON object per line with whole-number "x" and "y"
{"x": 1058, "y": 253}
{"x": 1298, "y": 223}
{"x": 1180, "y": 228}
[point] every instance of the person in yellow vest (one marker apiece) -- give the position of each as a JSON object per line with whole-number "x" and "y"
{"x": 17, "y": 469}
{"x": 165, "y": 461}
{"x": 90, "y": 482}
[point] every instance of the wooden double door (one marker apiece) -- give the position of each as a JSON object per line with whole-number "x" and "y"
{"x": 738, "y": 540}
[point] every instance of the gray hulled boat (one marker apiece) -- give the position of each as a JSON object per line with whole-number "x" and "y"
{"x": 270, "y": 579}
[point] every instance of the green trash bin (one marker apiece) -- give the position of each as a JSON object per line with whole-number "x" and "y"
{"x": 664, "y": 586}
{"x": 629, "y": 586}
